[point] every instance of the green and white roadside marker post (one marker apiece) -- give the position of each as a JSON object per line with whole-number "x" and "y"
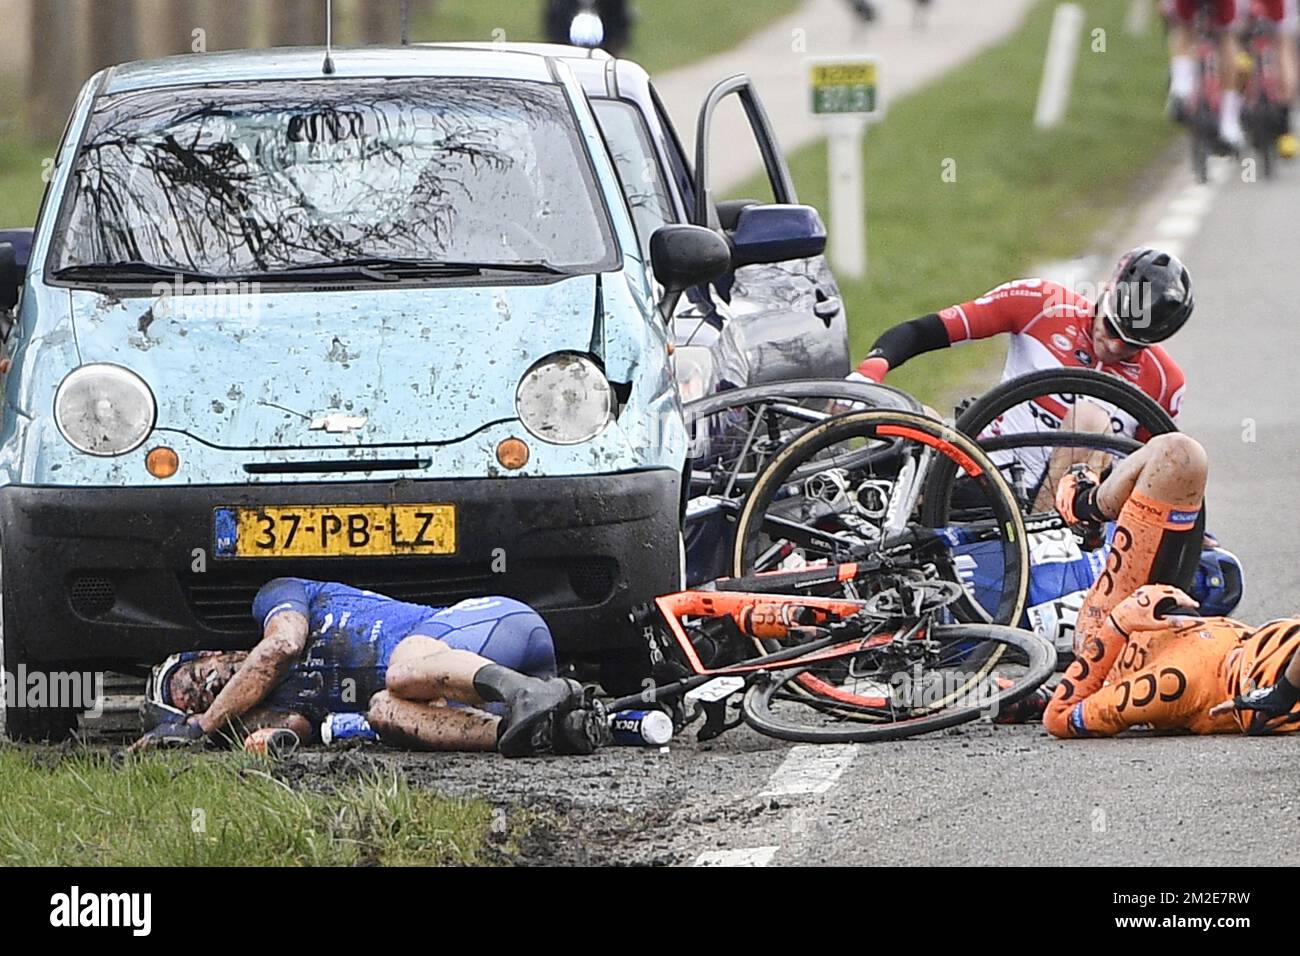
{"x": 845, "y": 91}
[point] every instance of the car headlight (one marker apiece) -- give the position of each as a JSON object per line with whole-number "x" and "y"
{"x": 565, "y": 399}
{"x": 104, "y": 410}
{"x": 695, "y": 370}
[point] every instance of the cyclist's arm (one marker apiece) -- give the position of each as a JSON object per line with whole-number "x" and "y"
{"x": 902, "y": 342}
{"x": 1007, "y": 309}
{"x": 263, "y": 717}
{"x": 282, "y": 607}
{"x": 1268, "y": 701}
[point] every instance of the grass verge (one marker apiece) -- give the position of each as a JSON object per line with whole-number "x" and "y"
{"x": 63, "y": 809}
{"x": 666, "y": 33}
{"x": 1017, "y": 196}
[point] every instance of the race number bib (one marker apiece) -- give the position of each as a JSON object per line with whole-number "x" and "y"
{"x": 1055, "y": 620}
{"x": 1053, "y": 547}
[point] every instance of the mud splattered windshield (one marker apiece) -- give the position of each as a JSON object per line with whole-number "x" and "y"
{"x": 252, "y": 179}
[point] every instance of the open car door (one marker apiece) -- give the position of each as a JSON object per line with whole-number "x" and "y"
{"x": 789, "y": 303}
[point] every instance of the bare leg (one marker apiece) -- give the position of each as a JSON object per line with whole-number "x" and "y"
{"x": 1172, "y": 468}
{"x": 425, "y": 672}
{"x": 425, "y": 726}
{"x": 426, "y": 669}
{"x": 1229, "y": 50}
{"x": 1286, "y": 56}
{"x": 1182, "y": 65}
{"x": 1234, "y": 82}
{"x": 1083, "y": 417}
{"x": 1180, "y": 40}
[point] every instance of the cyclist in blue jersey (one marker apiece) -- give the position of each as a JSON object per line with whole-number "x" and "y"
{"x": 479, "y": 675}
{"x": 1061, "y": 572}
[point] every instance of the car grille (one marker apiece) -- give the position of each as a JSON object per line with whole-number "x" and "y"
{"x": 221, "y": 598}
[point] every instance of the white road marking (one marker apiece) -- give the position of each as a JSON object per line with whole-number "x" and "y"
{"x": 1193, "y": 201}
{"x": 810, "y": 768}
{"x": 757, "y": 856}
{"x": 1185, "y": 214}
{"x": 1177, "y": 225}
{"x": 807, "y": 768}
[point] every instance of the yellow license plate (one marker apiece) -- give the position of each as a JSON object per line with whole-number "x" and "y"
{"x": 326, "y": 531}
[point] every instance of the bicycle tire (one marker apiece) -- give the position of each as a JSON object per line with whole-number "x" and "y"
{"x": 984, "y": 410}
{"x": 1086, "y": 382}
{"x": 756, "y": 705}
{"x": 871, "y": 394}
{"x": 948, "y": 441}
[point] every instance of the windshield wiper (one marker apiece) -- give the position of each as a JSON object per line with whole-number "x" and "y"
{"x": 372, "y": 269}
{"x": 129, "y": 271}
{"x": 375, "y": 269}
{"x": 392, "y": 270}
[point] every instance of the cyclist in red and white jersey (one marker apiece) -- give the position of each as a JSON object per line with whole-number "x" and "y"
{"x": 1147, "y": 299}
{"x": 1182, "y": 59}
{"x": 1285, "y": 15}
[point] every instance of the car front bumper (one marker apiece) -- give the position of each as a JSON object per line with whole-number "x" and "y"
{"x": 118, "y": 576}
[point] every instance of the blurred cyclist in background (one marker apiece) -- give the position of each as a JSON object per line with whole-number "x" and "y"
{"x": 1284, "y": 16}
{"x": 1222, "y": 16}
{"x": 1225, "y": 18}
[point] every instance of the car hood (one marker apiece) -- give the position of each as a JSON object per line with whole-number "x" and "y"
{"x": 365, "y": 367}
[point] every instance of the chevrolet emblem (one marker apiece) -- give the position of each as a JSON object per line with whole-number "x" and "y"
{"x": 336, "y": 423}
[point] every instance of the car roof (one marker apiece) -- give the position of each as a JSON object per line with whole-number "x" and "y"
{"x": 599, "y": 73}
{"x": 297, "y": 63}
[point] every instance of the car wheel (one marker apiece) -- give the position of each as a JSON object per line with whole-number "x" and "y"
{"x": 625, "y": 671}
{"x": 26, "y": 723}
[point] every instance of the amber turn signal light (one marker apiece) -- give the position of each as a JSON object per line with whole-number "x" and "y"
{"x": 162, "y": 462}
{"x": 512, "y": 453}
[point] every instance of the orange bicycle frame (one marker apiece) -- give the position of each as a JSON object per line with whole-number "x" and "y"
{"x": 760, "y": 616}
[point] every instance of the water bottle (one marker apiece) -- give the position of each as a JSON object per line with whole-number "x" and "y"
{"x": 274, "y": 742}
{"x": 338, "y": 727}
{"x": 641, "y": 728}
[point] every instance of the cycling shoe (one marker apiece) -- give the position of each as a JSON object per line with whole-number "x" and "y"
{"x": 527, "y": 729}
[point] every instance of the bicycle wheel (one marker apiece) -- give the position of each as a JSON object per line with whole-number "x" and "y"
{"x": 735, "y": 433}
{"x": 890, "y": 693}
{"x": 862, "y": 500}
{"x": 1062, "y": 387}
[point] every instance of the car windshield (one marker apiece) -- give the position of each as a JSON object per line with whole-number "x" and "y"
{"x": 251, "y": 179}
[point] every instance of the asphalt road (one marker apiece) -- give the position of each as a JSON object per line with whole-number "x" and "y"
{"x": 995, "y": 795}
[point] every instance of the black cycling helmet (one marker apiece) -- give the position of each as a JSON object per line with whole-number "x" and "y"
{"x": 1149, "y": 297}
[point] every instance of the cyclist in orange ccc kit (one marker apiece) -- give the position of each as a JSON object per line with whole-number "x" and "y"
{"x": 1139, "y": 663}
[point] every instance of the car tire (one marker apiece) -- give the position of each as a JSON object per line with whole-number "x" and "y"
{"x": 27, "y": 723}
{"x": 625, "y": 671}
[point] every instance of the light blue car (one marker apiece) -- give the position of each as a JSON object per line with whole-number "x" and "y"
{"x": 390, "y": 325}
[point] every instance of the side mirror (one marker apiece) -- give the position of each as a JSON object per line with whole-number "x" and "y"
{"x": 776, "y": 232}
{"x": 685, "y": 256}
{"x": 729, "y": 211}
{"x": 11, "y": 277}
